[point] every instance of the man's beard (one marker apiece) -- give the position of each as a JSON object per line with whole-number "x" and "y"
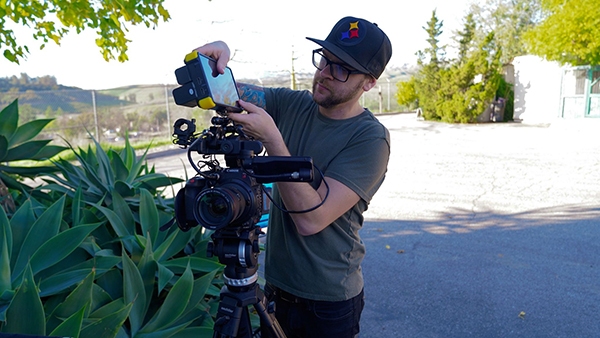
{"x": 336, "y": 97}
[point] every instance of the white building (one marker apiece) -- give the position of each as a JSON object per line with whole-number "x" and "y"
{"x": 546, "y": 91}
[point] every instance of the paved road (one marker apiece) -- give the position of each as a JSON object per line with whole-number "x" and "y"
{"x": 489, "y": 230}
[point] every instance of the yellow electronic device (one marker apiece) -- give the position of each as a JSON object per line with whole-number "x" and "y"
{"x": 202, "y": 85}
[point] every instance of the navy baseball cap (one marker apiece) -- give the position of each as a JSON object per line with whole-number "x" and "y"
{"x": 359, "y": 43}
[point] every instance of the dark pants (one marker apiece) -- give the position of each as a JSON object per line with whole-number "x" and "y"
{"x": 300, "y": 317}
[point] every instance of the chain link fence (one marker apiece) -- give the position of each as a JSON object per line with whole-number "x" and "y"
{"x": 143, "y": 113}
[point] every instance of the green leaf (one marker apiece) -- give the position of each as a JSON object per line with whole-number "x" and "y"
{"x": 5, "y": 282}
{"x": 123, "y": 210}
{"x": 174, "y": 304}
{"x": 164, "y": 276}
{"x": 117, "y": 224}
{"x": 108, "y": 326}
{"x": 48, "y": 152}
{"x": 28, "y": 171}
{"x": 9, "y": 119}
{"x": 148, "y": 214}
{"x": 60, "y": 246}
{"x": 44, "y": 228}
{"x": 81, "y": 296}
{"x": 25, "y": 314}
{"x": 153, "y": 181}
{"x": 167, "y": 332}
{"x": 21, "y": 222}
{"x": 28, "y": 131}
{"x": 119, "y": 167}
{"x": 134, "y": 292}
{"x": 148, "y": 269}
{"x": 196, "y": 263}
{"x": 195, "y": 332}
{"x": 176, "y": 242}
{"x": 71, "y": 326}
{"x": 105, "y": 172}
{"x": 112, "y": 307}
{"x": 201, "y": 286}
{"x": 124, "y": 189}
{"x": 25, "y": 151}
{"x": 3, "y": 147}
{"x": 61, "y": 281}
{"x": 76, "y": 206}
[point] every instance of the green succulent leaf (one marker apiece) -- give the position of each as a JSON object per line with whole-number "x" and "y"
{"x": 71, "y": 326}
{"x": 196, "y": 263}
{"x": 60, "y": 246}
{"x": 134, "y": 292}
{"x": 27, "y": 171}
{"x": 3, "y": 147}
{"x": 48, "y": 152}
{"x": 126, "y": 234}
{"x": 28, "y": 131}
{"x": 148, "y": 214}
{"x": 167, "y": 332}
{"x": 164, "y": 276}
{"x": 9, "y": 119}
{"x": 25, "y": 151}
{"x": 174, "y": 305}
{"x": 108, "y": 326}
{"x": 65, "y": 279}
{"x": 201, "y": 286}
{"x": 80, "y": 297}
{"x": 20, "y": 224}
{"x": 25, "y": 314}
{"x": 112, "y": 307}
{"x": 5, "y": 281}
{"x": 196, "y": 332}
{"x": 44, "y": 228}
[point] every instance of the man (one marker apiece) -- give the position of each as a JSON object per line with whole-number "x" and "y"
{"x": 312, "y": 263}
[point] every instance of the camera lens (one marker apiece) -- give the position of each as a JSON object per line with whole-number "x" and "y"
{"x": 218, "y": 207}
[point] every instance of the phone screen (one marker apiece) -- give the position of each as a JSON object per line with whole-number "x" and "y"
{"x": 222, "y": 86}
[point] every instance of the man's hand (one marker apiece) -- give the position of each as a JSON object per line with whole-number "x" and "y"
{"x": 259, "y": 124}
{"x": 217, "y": 50}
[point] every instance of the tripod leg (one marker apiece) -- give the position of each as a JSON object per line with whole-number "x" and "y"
{"x": 233, "y": 320}
{"x": 269, "y": 321}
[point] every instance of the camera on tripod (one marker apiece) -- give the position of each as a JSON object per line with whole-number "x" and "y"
{"x": 228, "y": 200}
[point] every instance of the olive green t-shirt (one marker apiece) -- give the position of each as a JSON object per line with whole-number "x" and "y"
{"x": 324, "y": 266}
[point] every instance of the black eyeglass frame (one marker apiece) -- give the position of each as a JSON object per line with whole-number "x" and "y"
{"x": 316, "y": 63}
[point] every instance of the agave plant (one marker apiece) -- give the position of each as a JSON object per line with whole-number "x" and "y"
{"x": 93, "y": 263}
{"x": 71, "y": 286}
{"x": 17, "y": 144}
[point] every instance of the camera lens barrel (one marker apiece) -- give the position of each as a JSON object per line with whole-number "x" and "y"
{"x": 231, "y": 203}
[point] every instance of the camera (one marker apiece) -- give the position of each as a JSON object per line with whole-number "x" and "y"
{"x": 228, "y": 200}
{"x": 230, "y": 197}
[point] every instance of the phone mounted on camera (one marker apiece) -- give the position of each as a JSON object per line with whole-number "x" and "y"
{"x": 202, "y": 85}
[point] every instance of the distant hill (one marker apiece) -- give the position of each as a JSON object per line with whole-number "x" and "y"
{"x": 45, "y": 93}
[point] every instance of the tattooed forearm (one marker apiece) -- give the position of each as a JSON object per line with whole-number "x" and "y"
{"x": 253, "y": 94}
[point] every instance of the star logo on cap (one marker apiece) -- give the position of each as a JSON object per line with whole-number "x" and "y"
{"x": 352, "y": 32}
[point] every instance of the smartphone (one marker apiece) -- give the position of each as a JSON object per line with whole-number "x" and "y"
{"x": 202, "y": 85}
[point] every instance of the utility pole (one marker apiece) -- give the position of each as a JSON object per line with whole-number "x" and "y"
{"x": 293, "y": 84}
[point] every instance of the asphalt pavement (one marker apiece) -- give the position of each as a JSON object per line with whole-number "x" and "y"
{"x": 481, "y": 230}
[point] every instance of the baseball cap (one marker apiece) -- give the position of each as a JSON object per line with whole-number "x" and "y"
{"x": 359, "y": 43}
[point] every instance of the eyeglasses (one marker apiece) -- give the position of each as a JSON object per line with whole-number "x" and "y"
{"x": 336, "y": 70}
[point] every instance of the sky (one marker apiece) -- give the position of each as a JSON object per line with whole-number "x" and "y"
{"x": 263, "y": 35}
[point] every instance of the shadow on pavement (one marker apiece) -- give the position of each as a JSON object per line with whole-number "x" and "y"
{"x": 527, "y": 274}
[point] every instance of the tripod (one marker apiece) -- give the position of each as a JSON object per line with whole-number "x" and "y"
{"x": 239, "y": 250}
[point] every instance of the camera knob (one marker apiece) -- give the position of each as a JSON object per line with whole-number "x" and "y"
{"x": 210, "y": 249}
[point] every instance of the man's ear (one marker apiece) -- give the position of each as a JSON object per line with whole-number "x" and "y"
{"x": 370, "y": 82}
